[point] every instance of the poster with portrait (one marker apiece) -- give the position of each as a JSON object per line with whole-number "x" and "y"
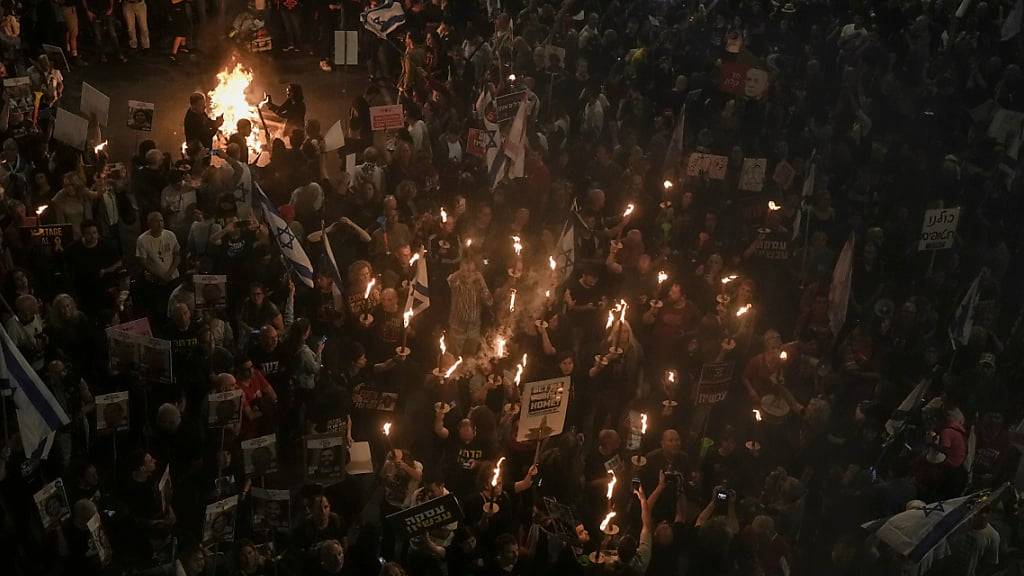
{"x": 98, "y": 541}
{"x": 211, "y": 291}
{"x": 543, "y": 407}
{"x": 260, "y": 455}
{"x": 19, "y": 94}
{"x": 225, "y": 408}
{"x": 324, "y": 457}
{"x": 783, "y": 175}
{"x": 112, "y": 412}
{"x": 271, "y": 509}
{"x": 155, "y": 360}
{"x": 124, "y": 350}
{"x": 140, "y": 115}
{"x": 52, "y": 503}
{"x": 752, "y": 174}
{"x": 219, "y": 525}
{"x": 707, "y": 165}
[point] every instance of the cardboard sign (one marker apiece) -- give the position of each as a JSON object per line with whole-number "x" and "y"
{"x": 57, "y": 57}
{"x": 156, "y": 359}
{"x": 112, "y": 411}
{"x": 506, "y": 106}
{"x": 386, "y": 117}
{"x": 56, "y": 236}
{"x": 71, "y": 129}
{"x": 98, "y": 540}
{"x": 219, "y": 525}
{"x": 123, "y": 350}
{"x": 271, "y": 509}
{"x": 367, "y": 399}
{"x": 52, "y": 503}
{"x": 708, "y": 165}
{"x": 635, "y": 438}
{"x": 938, "y": 231}
{"x": 346, "y": 47}
{"x": 783, "y": 175}
{"x": 225, "y": 408}
{"x": 359, "y": 459}
{"x": 732, "y": 77}
{"x": 260, "y": 455}
{"x": 543, "y": 407}
{"x": 140, "y": 327}
{"x": 335, "y": 137}
{"x": 324, "y": 457}
{"x": 752, "y": 174}
{"x": 427, "y": 516}
{"x": 19, "y": 94}
{"x": 713, "y": 385}
{"x": 350, "y": 163}
{"x": 140, "y": 115}
{"x": 477, "y": 142}
{"x": 211, "y": 291}
{"x": 95, "y": 102}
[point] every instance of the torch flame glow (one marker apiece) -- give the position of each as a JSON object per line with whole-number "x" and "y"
{"x": 512, "y": 301}
{"x": 444, "y": 216}
{"x": 671, "y": 376}
{"x": 628, "y": 211}
{"x": 387, "y": 428}
{"x": 440, "y": 343}
{"x": 469, "y": 242}
{"x": 517, "y": 245}
{"x": 783, "y": 356}
{"x": 547, "y": 293}
{"x": 99, "y": 147}
{"x": 369, "y": 288}
{"x": 667, "y": 184}
{"x": 729, "y": 278}
{"x": 454, "y": 367}
{"x": 662, "y": 276}
{"x": 757, "y": 414}
{"x": 742, "y": 310}
{"x": 497, "y": 472}
{"x": 773, "y": 206}
{"x": 519, "y": 374}
{"x": 551, "y": 263}
{"x": 406, "y": 316}
{"x": 184, "y": 148}
{"x": 607, "y": 519}
{"x": 611, "y": 320}
{"x": 611, "y": 484}
{"x": 41, "y": 209}
{"x": 499, "y": 347}
{"x": 643, "y": 423}
{"x": 524, "y": 361}
{"x": 414, "y": 258}
{"x": 230, "y": 99}
{"x": 622, "y": 311}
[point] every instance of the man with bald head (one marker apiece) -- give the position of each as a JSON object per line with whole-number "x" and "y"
{"x": 669, "y": 459}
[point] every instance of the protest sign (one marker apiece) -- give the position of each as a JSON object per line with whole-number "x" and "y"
{"x": 57, "y": 57}
{"x": 938, "y": 231}
{"x": 709, "y": 165}
{"x": 543, "y": 407}
{"x": 346, "y": 47}
{"x": 335, "y": 137}
{"x": 713, "y": 385}
{"x": 219, "y": 525}
{"x": 210, "y": 290}
{"x": 260, "y": 455}
{"x": 506, "y": 105}
{"x": 155, "y": 362}
{"x": 427, "y": 516}
{"x": 19, "y": 94}
{"x": 95, "y": 102}
{"x": 56, "y": 236}
{"x": 140, "y": 327}
{"x": 477, "y": 142}
{"x": 367, "y": 399}
{"x": 324, "y": 457}
{"x": 124, "y": 350}
{"x": 350, "y": 163}
{"x": 71, "y": 129}
{"x": 140, "y": 115}
{"x": 732, "y": 77}
{"x": 635, "y": 420}
{"x": 755, "y": 83}
{"x": 386, "y": 117}
{"x": 752, "y": 174}
{"x": 359, "y": 459}
{"x": 112, "y": 411}
{"x": 52, "y": 503}
{"x": 783, "y": 175}
{"x": 98, "y": 541}
{"x": 271, "y": 509}
{"x": 225, "y": 408}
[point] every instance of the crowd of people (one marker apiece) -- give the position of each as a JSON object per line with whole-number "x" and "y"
{"x": 701, "y": 220}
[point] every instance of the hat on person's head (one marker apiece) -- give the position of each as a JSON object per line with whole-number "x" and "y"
{"x": 987, "y": 359}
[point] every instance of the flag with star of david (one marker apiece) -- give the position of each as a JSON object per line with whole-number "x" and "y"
{"x": 286, "y": 240}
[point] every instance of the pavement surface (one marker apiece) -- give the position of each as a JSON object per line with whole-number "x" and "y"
{"x": 154, "y": 78}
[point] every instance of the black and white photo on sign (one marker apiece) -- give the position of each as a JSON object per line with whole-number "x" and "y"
{"x": 52, "y": 503}
{"x": 211, "y": 291}
{"x": 140, "y": 115}
{"x": 325, "y": 456}
{"x": 98, "y": 539}
{"x": 125, "y": 349}
{"x": 155, "y": 359}
{"x": 112, "y": 411}
{"x": 225, "y": 408}
{"x": 260, "y": 455}
{"x": 219, "y": 525}
{"x": 19, "y": 94}
{"x": 752, "y": 174}
{"x": 71, "y": 129}
{"x": 95, "y": 102}
{"x": 271, "y": 509}
{"x": 707, "y": 165}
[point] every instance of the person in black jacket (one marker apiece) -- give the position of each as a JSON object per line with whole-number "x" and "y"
{"x": 293, "y": 110}
{"x": 199, "y": 127}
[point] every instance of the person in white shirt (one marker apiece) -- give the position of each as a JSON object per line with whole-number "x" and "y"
{"x": 159, "y": 255}
{"x": 26, "y": 330}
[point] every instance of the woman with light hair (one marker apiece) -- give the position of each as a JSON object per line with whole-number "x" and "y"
{"x": 74, "y": 203}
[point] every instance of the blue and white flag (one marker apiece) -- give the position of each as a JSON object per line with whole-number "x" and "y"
{"x": 963, "y": 319}
{"x": 286, "y": 240}
{"x": 565, "y": 251}
{"x": 420, "y": 293}
{"x": 383, "y": 19}
{"x": 40, "y": 415}
{"x": 336, "y": 296}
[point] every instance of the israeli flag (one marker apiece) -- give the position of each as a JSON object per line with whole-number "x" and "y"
{"x": 420, "y": 293}
{"x": 290, "y": 246}
{"x": 383, "y": 19}
{"x": 40, "y": 415}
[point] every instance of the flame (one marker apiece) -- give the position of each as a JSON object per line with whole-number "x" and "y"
{"x": 184, "y": 149}
{"x": 387, "y": 428}
{"x": 499, "y": 347}
{"x": 742, "y": 310}
{"x": 611, "y": 320}
{"x": 643, "y": 423}
{"x": 757, "y": 414}
{"x": 551, "y": 263}
{"x": 497, "y": 472}
{"x": 667, "y": 184}
{"x": 524, "y": 361}
{"x": 729, "y": 278}
{"x": 629, "y": 210}
{"x": 444, "y": 216}
{"x": 519, "y": 373}
{"x": 454, "y": 367}
{"x": 783, "y": 356}
{"x": 406, "y": 316}
{"x": 773, "y": 206}
{"x": 517, "y": 245}
{"x": 512, "y": 301}
{"x": 230, "y": 99}
{"x": 41, "y": 209}
{"x": 608, "y": 518}
{"x": 547, "y": 293}
{"x": 469, "y": 242}
{"x": 414, "y": 258}
{"x": 440, "y": 344}
{"x": 662, "y": 276}
{"x": 611, "y": 484}
{"x": 511, "y": 77}
{"x": 671, "y": 375}
{"x": 369, "y": 288}
{"x": 99, "y": 147}
{"x": 622, "y": 311}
